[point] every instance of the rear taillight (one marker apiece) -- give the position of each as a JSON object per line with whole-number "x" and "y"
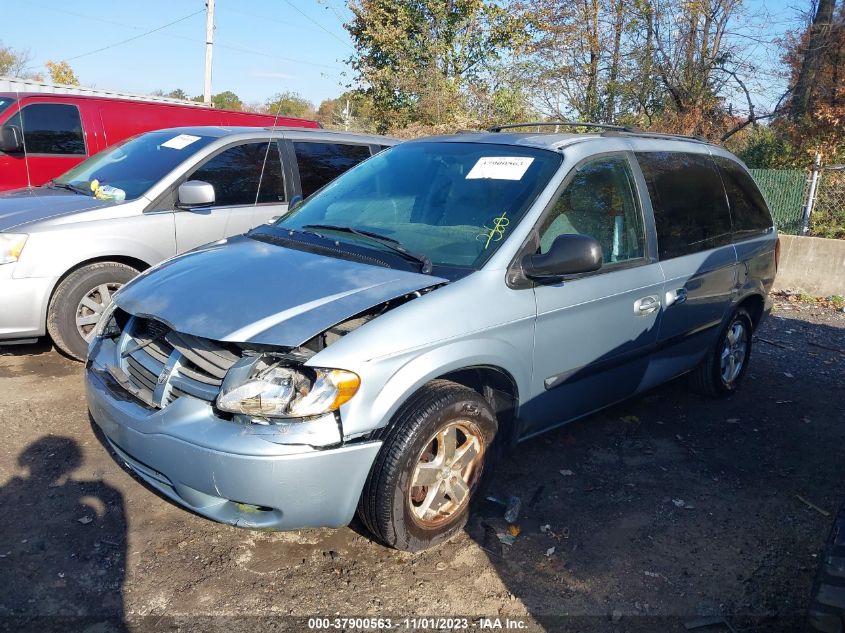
{"x": 777, "y": 254}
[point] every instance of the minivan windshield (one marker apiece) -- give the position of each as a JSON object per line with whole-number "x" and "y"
{"x": 453, "y": 203}
{"x": 134, "y": 165}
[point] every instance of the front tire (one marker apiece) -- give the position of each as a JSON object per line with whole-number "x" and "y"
{"x": 722, "y": 370}
{"x": 431, "y": 465}
{"x": 79, "y": 300}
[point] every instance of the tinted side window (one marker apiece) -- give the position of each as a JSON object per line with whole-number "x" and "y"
{"x": 599, "y": 201}
{"x": 236, "y": 175}
{"x": 50, "y": 128}
{"x": 320, "y": 163}
{"x": 690, "y": 208}
{"x": 748, "y": 207}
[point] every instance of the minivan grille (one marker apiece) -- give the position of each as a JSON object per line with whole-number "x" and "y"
{"x": 162, "y": 365}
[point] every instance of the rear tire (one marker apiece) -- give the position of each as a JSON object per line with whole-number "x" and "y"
{"x": 827, "y": 601}
{"x": 78, "y": 301}
{"x": 726, "y": 363}
{"x": 434, "y": 460}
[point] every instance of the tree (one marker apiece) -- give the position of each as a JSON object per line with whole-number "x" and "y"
{"x": 227, "y": 100}
{"x": 14, "y": 63}
{"x": 817, "y": 41}
{"x": 290, "y": 103}
{"x": 351, "y": 111}
{"x": 61, "y": 73}
{"x": 815, "y": 118}
{"x": 415, "y": 59}
{"x": 673, "y": 65}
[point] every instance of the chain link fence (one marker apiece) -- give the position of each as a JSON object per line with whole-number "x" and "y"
{"x": 828, "y": 210}
{"x": 785, "y": 191}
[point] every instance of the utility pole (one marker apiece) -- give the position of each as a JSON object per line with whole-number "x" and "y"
{"x": 209, "y": 42}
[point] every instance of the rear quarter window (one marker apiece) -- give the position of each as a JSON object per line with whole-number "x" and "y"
{"x": 748, "y": 207}
{"x": 320, "y": 163}
{"x": 688, "y": 198}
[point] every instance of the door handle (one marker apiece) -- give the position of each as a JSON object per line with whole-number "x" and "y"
{"x": 675, "y": 296}
{"x": 646, "y": 305}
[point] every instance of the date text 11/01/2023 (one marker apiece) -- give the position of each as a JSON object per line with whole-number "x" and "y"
{"x": 416, "y": 623}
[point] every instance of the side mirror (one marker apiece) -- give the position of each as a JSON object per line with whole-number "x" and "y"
{"x": 195, "y": 193}
{"x": 11, "y": 139}
{"x": 295, "y": 203}
{"x": 569, "y": 255}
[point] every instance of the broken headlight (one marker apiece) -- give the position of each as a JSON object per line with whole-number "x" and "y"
{"x": 107, "y": 326}
{"x": 266, "y": 386}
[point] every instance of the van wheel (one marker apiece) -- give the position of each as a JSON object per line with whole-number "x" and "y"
{"x": 432, "y": 462}
{"x": 722, "y": 370}
{"x": 79, "y": 300}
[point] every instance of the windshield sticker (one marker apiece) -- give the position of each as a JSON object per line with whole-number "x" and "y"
{"x": 180, "y": 142}
{"x": 497, "y": 232}
{"x": 500, "y": 167}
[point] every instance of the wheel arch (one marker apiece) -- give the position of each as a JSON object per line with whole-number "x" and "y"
{"x": 500, "y": 390}
{"x": 138, "y": 264}
{"x": 754, "y": 304}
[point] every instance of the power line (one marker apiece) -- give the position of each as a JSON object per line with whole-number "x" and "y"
{"x": 310, "y": 19}
{"x": 145, "y": 33}
{"x": 194, "y": 40}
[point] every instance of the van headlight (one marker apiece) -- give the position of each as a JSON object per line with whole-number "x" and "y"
{"x": 11, "y": 245}
{"x": 265, "y": 386}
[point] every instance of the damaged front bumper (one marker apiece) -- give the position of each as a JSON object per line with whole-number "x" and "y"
{"x": 243, "y": 474}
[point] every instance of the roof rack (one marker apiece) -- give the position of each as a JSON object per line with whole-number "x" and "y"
{"x": 603, "y": 126}
{"x": 645, "y": 134}
{"x": 610, "y": 130}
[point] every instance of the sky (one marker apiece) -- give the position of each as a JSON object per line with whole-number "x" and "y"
{"x": 261, "y": 47}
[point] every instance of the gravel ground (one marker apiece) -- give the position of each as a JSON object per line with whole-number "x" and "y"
{"x": 661, "y": 511}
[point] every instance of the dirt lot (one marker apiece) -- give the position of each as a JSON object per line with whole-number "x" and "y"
{"x": 663, "y": 510}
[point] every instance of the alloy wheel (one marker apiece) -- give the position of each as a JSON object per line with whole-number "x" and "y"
{"x": 445, "y": 473}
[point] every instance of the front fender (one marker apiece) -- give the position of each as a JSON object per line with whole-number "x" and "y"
{"x": 408, "y": 373}
{"x": 52, "y": 253}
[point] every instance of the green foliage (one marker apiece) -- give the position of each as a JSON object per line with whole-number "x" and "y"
{"x": 762, "y": 147}
{"x": 227, "y": 100}
{"x": 416, "y": 58}
{"x": 291, "y": 104}
{"x": 352, "y": 111}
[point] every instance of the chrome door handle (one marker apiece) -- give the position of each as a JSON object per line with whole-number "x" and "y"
{"x": 646, "y": 305}
{"x": 675, "y": 296}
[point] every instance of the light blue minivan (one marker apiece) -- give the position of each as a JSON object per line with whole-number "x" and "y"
{"x": 380, "y": 345}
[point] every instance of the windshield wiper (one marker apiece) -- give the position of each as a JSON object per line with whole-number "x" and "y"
{"x": 389, "y": 242}
{"x": 64, "y": 185}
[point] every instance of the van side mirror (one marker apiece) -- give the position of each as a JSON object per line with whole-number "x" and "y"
{"x": 295, "y": 203}
{"x": 569, "y": 255}
{"x": 195, "y": 193}
{"x": 11, "y": 139}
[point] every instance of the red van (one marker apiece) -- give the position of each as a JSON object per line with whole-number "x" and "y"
{"x": 42, "y": 135}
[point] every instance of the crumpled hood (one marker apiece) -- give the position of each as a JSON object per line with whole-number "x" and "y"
{"x": 243, "y": 290}
{"x": 23, "y": 206}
